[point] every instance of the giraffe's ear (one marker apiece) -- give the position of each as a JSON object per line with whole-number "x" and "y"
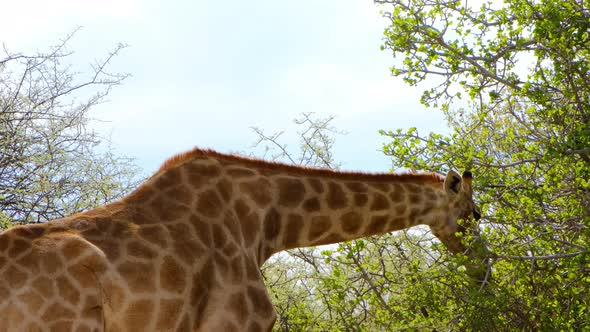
{"x": 453, "y": 183}
{"x": 468, "y": 182}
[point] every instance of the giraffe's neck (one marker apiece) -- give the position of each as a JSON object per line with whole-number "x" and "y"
{"x": 334, "y": 209}
{"x": 276, "y": 207}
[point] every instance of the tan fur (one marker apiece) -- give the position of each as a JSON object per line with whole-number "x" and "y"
{"x": 182, "y": 252}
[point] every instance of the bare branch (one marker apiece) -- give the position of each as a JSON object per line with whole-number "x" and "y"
{"x": 543, "y": 257}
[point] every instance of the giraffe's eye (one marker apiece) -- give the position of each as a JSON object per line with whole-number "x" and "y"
{"x": 476, "y": 214}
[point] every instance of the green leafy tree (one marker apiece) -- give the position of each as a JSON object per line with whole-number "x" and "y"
{"x": 512, "y": 81}
{"x": 51, "y": 163}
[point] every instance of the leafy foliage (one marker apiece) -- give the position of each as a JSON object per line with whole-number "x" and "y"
{"x": 512, "y": 80}
{"x": 523, "y": 125}
{"x": 51, "y": 165}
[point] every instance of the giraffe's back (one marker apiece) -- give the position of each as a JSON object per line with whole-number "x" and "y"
{"x": 47, "y": 281}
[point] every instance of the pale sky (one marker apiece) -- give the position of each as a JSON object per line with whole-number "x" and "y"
{"x": 204, "y": 72}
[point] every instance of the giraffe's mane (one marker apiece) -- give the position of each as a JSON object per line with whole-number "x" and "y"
{"x": 300, "y": 170}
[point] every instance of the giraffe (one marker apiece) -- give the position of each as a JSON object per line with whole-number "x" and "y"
{"x": 182, "y": 252}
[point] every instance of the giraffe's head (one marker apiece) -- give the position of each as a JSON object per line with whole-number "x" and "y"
{"x": 461, "y": 212}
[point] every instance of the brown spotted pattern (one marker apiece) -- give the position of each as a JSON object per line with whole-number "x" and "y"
{"x": 183, "y": 251}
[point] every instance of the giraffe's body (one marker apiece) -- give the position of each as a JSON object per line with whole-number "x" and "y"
{"x": 183, "y": 251}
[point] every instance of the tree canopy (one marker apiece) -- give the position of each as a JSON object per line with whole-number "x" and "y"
{"x": 513, "y": 82}
{"x": 51, "y": 163}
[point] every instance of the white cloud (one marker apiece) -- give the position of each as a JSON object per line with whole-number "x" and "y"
{"x": 205, "y": 71}
{"x": 352, "y": 92}
{"x": 29, "y": 20}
